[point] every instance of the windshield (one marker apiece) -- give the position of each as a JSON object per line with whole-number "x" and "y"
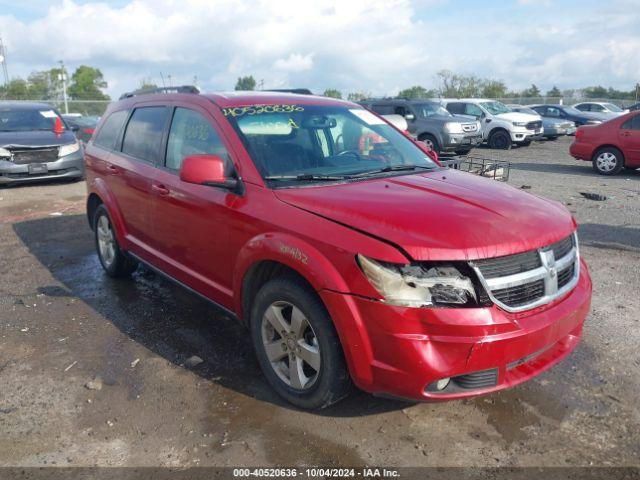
{"x": 294, "y": 143}
{"x": 430, "y": 109}
{"x": 495, "y": 108}
{"x": 23, "y": 120}
{"x": 613, "y": 108}
{"x": 572, "y": 111}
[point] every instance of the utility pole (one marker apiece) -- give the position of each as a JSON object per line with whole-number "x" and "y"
{"x": 3, "y": 62}
{"x": 261, "y": 84}
{"x": 63, "y": 77}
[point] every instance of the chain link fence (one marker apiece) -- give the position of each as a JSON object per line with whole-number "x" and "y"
{"x": 83, "y": 107}
{"x": 563, "y": 100}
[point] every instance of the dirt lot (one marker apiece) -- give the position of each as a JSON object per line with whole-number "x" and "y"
{"x": 63, "y": 322}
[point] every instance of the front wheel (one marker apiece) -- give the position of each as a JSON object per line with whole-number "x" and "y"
{"x": 297, "y": 346}
{"x": 113, "y": 260}
{"x": 431, "y": 142}
{"x": 608, "y": 161}
{"x": 500, "y": 139}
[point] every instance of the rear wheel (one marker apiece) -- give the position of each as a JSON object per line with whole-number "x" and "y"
{"x": 463, "y": 151}
{"x": 113, "y": 260}
{"x": 297, "y": 345}
{"x": 608, "y": 161}
{"x": 500, "y": 139}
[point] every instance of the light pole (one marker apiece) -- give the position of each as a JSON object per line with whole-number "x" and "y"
{"x": 3, "y": 62}
{"x": 63, "y": 77}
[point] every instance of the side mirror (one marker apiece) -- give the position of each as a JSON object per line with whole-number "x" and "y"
{"x": 207, "y": 170}
{"x": 410, "y": 117}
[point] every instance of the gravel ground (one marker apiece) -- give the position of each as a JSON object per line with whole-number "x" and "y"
{"x": 92, "y": 370}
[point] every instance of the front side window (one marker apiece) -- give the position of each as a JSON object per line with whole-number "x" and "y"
{"x": 143, "y": 136}
{"x": 294, "y": 143}
{"x": 632, "y": 124}
{"x": 473, "y": 110}
{"x": 613, "y": 108}
{"x": 191, "y": 134}
{"x": 108, "y": 133}
{"x": 597, "y": 108}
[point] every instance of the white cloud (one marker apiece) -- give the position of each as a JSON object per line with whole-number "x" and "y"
{"x": 377, "y": 46}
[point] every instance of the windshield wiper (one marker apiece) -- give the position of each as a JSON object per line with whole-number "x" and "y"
{"x": 306, "y": 177}
{"x": 394, "y": 168}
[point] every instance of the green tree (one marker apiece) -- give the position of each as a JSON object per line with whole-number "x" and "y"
{"x": 416, "y": 92}
{"x": 333, "y": 93}
{"x": 45, "y": 85}
{"x": 246, "y": 83}
{"x": 494, "y": 89}
{"x": 87, "y": 84}
{"x": 453, "y": 85}
{"x": 16, "y": 89}
{"x": 357, "y": 96}
{"x": 554, "y": 92}
{"x": 531, "y": 92}
{"x": 595, "y": 92}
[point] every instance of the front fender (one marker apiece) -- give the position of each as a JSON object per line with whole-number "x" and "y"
{"x": 325, "y": 279}
{"x": 99, "y": 187}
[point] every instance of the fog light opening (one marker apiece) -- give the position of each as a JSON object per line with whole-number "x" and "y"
{"x": 442, "y": 383}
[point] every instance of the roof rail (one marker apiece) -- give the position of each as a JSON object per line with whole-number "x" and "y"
{"x": 176, "y": 89}
{"x": 299, "y": 91}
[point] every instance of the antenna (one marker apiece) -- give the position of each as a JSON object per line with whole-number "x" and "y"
{"x": 3, "y": 62}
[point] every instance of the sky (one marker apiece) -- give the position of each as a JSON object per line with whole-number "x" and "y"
{"x": 372, "y": 46}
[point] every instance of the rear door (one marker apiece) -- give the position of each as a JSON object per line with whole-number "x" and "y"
{"x": 629, "y": 136}
{"x": 131, "y": 170}
{"x": 192, "y": 222}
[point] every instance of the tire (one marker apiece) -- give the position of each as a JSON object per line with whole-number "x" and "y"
{"x": 608, "y": 161}
{"x": 553, "y": 138}
{"x": 463, "y": 151}
{"x": 114, "y": 261}
{"x": 430, "y": 141}
{"x": 280, "y": 305}
{"x": 500, "y": 139}
{"x": 526, "y": 143}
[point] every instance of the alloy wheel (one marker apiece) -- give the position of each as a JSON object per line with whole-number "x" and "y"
{"x": 291, "y": 345}
{"x": 606, "y": 161}
{"x": 106, "y": 241}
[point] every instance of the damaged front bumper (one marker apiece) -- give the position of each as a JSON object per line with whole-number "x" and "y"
{"x": 404, "y": 352}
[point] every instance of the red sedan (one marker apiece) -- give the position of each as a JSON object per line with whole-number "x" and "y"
{"x": 611, "y": 145}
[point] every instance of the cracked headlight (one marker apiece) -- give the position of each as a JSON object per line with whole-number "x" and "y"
{"x": 419, "y": 286}
{"x": 68, "y": 149}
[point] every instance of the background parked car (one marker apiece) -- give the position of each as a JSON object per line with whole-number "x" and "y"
{"x": 634, "y": 107}
{"x": 553, "y": 127}
{"x": 431, "y": 123}
{"x": 82, "y": 126}
{"x": 610, "y": 146}
{"x": 500, "y": 126}
{"x": 35, "y": 145}
{"x": 600, "y": 107}
{"x": 569, "y": 113}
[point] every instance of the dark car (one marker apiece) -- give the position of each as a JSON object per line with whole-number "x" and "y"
{"x": 35, "y": 144}
{"x": 431, "y": 123}
{"x": 82, "y": 126}
{"x": 634, "y": 107}
{"x": 566, "y": 112}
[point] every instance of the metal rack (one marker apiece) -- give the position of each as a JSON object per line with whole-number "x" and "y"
{"x": 485, "y": 167}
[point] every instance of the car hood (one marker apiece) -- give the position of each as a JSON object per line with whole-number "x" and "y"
{"x": 35, "y": 138}
{"x": 518, "y": 117}
{"x": 439, "y": 215}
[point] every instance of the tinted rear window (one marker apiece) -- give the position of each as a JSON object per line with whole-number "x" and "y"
{"x": 143, "y": 137}
{"x": 110, "y": 130}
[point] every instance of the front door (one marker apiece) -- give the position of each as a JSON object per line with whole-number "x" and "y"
{"x": 629, "y": 135}
{"x": 191, "y": 222}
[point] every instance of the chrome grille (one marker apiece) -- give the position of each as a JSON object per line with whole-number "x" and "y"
{"x": 526, "y": 280}
{"x": 469, "y": 127}
{"x": 534, "y": 125}
{"x": 34, "y": 155}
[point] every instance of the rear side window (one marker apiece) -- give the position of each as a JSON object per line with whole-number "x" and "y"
{"x": 632, "y": 124}
{"x": 383, "y": 109}
{"x": 191, "y": 134}
{"x": 456, "y": 108}
{"x": 110, "y": 130}
{"x": 143, "y": 137}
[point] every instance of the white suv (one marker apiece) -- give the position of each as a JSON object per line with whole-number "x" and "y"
{"x": 501, "y": 127}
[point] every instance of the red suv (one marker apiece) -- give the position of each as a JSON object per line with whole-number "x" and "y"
{"x": 610, "y": 146}
{"x": 350, "y": 255}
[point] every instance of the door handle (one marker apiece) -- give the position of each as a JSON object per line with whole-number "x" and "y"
{"x": 160, "y": 189}
{"x": 626, "y": 134}
{"x": 112, "y": 169}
